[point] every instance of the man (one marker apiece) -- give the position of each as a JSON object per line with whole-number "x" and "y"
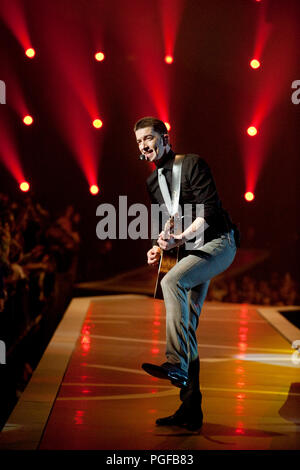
{"x": 185, "y": 285}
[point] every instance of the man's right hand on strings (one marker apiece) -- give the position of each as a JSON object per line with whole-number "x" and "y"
{"x": 153, "y": 255}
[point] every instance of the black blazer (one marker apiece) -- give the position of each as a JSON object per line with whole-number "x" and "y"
{"x": 197, "y": 187}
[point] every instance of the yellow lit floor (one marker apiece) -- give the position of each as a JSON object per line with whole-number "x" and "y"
{"x": 89, "y": 391}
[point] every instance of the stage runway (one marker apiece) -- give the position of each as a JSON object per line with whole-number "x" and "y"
{"x": 89, "y": 391}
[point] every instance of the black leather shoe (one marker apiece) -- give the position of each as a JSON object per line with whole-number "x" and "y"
{"x": 192, "y": 423}
{"x": 168, "y": 371}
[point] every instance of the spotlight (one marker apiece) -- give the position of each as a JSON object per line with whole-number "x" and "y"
{"x": 30, "y": 52}
{"x": 168, "y": 126}
{"x": 252, "y": 131}
{"x": 249, "y": 196}
{"x": 24, "y": 186}
{"x": 97, "y": 123}
{"x": 28, "y": 120}
{"x": 254, "y": 63}
{"x": 94, "y": 189}
{"x": 168, "y": 59}
{"x": 99, "y": 56}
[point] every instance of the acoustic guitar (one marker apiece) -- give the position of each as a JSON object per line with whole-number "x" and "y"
{"x": 168, "y": 259}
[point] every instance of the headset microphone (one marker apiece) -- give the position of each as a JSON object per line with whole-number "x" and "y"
{"x": 142, "y": 157}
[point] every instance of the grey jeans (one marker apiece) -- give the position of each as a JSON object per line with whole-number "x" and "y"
{"x": 184, "y": 288}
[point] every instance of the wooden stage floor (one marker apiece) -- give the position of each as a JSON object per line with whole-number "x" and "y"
{"x": 89, "y": 391}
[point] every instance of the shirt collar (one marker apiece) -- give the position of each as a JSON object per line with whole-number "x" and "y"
{"x": 166, "y": 161}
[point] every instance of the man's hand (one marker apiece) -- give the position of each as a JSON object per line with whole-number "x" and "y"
{"x": 153, "y": 255}
{"x": 171, "y": 242}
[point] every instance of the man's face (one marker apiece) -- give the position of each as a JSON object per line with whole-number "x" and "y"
{"x": 151, "y": 143}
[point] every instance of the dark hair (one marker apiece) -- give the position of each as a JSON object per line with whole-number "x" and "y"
{"x": 148, "y": 121}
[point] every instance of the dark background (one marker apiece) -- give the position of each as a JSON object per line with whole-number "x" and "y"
{"x": 210, "y": 93}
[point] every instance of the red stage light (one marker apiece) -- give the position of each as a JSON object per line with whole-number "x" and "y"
{"x": 169, "y": 59}
{"x": 99, "y": 56}
{"x": 155, "y": 350}
{"x": 24, "y": 186}
{"x": 28, "y": 120}
{"x": 252, "y": 131}
{"x": 97, "y": 123}
{"x": 249, "y": 196}
{"x": 168, "y": 125}
{"x": 94, "y": 189}
{"x": 254, "y": 63}
{"x": 30, "y": 52}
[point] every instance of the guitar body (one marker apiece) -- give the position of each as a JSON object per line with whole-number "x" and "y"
{"x": 168, "y": 259}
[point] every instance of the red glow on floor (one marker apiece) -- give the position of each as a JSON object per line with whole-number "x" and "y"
{"x": 240, "y": 430}
{"x": 242, "y": 329}
{"x": 78, "y": 418}
{"x": 241, "y": 396}
{"x": 85, "y": 340}
{"x": 240, "y": 384}
{"x": 242, "y": 346}
{"x": 239, "y": 409}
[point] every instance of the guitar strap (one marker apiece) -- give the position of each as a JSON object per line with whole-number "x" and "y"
{"x": 171, "y": 203}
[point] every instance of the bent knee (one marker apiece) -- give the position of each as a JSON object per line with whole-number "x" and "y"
{"x": 169, "y": 281}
